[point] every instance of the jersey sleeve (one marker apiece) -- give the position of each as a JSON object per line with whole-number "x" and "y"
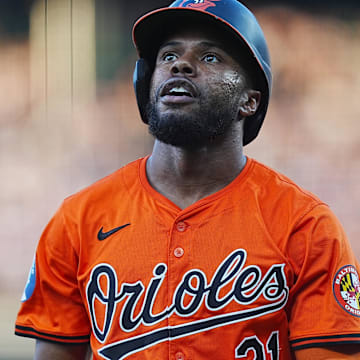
{"x": 324, "y": 306}
{"x": 52, "y": 307}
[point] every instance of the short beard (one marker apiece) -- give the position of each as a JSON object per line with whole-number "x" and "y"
{"x": 190, "y": 130}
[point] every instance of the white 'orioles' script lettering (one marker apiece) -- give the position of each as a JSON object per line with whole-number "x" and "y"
{"x": 248, "y": 284}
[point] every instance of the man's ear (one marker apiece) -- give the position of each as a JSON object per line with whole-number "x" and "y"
{"x": 249, "y": 102}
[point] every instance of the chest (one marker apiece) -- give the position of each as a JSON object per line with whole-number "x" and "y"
{"x": 163, "y": 279}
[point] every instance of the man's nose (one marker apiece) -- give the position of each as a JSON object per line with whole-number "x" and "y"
{"x": 183, "y": 67}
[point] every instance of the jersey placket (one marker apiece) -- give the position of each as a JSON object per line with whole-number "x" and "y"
{"x": 179, "y": 262}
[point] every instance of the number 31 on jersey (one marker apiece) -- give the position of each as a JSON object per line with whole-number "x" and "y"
{"x": 253, "y": 343}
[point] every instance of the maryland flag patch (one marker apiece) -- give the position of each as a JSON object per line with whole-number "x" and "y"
{"x": 346, "y": 287}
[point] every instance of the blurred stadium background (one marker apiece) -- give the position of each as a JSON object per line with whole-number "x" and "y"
{"x": 68, "y": 115}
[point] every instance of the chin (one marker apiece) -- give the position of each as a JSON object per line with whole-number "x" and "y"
{"x": 187, "y": 129}
{"x": 178, "y": 133}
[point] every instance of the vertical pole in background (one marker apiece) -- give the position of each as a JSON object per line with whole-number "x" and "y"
{"x": 71, "y": 61}
{"x": 46, "y": 58}
{"x": 62, "y": 52}
{"x": 83, "y": 52}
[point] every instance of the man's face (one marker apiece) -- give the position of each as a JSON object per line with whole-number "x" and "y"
{"x": 196, "y": 90}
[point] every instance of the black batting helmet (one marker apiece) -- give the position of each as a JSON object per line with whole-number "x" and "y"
{"x": 231, "y": 18}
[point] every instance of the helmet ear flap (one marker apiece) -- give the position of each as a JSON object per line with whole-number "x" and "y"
{"x": 141, "y": 81}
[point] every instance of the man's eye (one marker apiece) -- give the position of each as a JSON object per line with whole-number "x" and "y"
{"x": 169, "y": 57}
{"x": 211, "y": 58}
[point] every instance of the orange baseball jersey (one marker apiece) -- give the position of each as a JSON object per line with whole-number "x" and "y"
{"x": 251, "y": 271}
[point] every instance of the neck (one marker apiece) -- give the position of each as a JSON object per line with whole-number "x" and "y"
{"x": 185, "y": 176}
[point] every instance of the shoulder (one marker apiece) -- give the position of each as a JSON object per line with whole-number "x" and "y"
{"x": 275, "y": 180}
{"x": 105, "y": 188}
{"x": 279, "y": 195}
{"x": 87, "y": 210}
{"x": 297, "y": 220}
{"x": 294, "y": 218}
{"x": 107, "y": 193}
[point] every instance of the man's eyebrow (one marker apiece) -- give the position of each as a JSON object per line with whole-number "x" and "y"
{"x": 169, "y": 43}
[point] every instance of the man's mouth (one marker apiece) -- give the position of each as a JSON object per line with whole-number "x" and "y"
{"x": 178, "y": 91}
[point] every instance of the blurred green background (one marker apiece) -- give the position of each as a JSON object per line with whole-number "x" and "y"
{"x": 68, "y": 114}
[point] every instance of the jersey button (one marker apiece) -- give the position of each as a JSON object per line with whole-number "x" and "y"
{"x": 179, "y": 252}
{"x": 179, "y": 356}
{"x": 181, "y": 226}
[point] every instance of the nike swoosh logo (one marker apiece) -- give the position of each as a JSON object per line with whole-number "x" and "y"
{"x": 102, "y": 236}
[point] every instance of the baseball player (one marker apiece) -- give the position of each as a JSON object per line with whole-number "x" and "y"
{"x": 196, "y": 251}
